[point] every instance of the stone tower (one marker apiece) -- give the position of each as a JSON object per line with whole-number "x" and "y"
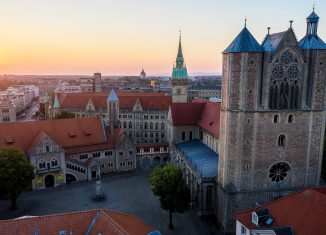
{"x": 272, "y": 118}
{"x": 179, "y": 78}
{"x": 97, "y": 82}
{"x": 113, "y": 110}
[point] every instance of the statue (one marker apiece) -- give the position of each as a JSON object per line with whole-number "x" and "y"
{"x": 99, "y": 195}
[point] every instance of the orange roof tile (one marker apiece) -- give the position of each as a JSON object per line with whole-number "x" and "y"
{"x": 127, "y": 100}
{"x": 304, "y": 211}
{"x": 106, "y": 222}
{"x": 201, "y": 112}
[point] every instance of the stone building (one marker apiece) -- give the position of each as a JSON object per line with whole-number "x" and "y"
{"x": 179, "y": 78}
{"x": 7, "y": 112}
{"x": 91, "y": 84}
{"x": 68, "y": 150}
{"x": 272, "y": 118}
{"x": 47, "y": 84}
{"x": 193, "y": 130}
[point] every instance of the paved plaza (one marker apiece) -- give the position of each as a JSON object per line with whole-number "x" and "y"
{"x": 128, "y": 192}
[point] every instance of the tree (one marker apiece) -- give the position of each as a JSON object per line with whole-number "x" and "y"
{"x": 16, "y": 174}
{"x": 168, "y": 184}
{"x": 64, "y": 114}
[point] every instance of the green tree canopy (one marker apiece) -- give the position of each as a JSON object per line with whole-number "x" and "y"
{"x": 64, "y": 114}
{"x": 168, "y": 184}
{"x": 16, "y": 174}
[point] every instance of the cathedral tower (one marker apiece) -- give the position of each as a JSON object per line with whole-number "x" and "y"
{"x": 179, "y": 78}
{"x": 272, "y": 117}
{"x": 97, "y": 82}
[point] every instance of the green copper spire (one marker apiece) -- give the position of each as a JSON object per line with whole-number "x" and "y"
{"x": 179, "y": 70}
{"x": 56, "y": 102}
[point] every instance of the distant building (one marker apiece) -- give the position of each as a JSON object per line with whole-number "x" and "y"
{"x": 179, "y": 78}
{"x": 90, "y": 222}
{"x": 68, "y": 150}
{"x": 48, "y": 84}
{"x": 303, "y": 212}
{"x": 204, "y": 92}
{"x": 143, "y": 74}
{"x": 91, "y": 84}
{"x": 7, "y": 112}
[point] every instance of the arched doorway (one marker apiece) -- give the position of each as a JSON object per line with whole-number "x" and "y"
{"x": 49, "y": 181}
{"x": 70, "y": 178}
{"x": 156, "y": 161}
{"x": 146, "y": 163}
{"x": 165, "y": 161}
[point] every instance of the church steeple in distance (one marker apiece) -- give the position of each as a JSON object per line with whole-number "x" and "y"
{"x": 179, "y": 70}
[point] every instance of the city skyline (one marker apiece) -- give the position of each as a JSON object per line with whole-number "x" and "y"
{"x": 119, "y": 38}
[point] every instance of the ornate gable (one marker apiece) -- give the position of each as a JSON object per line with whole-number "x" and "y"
{"x": 90, "y": 106}
{"x": 43, "y": 144}
{"x": 288, "y": 40}
{"x": 137, "y": 107}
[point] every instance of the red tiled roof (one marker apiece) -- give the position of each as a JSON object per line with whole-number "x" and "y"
{"x": 304, "y": 211}
{"x": 127, "y": 100}
{"x": 75, "y": 135}
{"x": 201, "y": 112}
{"x": 106, "y": 222}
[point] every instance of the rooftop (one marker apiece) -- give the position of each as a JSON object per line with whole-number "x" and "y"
{"x": 202, "y": 158}
{"x": 91, "y": 222}
{"x": 304, "y": 212}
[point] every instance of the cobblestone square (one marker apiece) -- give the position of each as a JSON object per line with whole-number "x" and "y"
{"x": 128, "y": 192}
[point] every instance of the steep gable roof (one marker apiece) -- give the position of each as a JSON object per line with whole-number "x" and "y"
{"x": 203, "y": 113}
{"x": 304, "y": 211}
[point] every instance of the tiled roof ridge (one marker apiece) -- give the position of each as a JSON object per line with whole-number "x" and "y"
{"x": 281, "y": 199}
{"x": 49, "y": 215}
{"x": 102, "y": 211}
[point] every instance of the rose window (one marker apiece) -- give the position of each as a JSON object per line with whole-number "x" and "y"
{"x": 279, "y": 172}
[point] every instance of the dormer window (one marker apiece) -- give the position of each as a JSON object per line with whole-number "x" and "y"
{"x": 254, "y": 218}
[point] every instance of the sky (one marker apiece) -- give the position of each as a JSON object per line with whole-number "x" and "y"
{"x": 119, "y": 37}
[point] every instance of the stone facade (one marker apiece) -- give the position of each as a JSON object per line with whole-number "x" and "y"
{"x": 269, "y": 144}
{"x": 7, "y": 112}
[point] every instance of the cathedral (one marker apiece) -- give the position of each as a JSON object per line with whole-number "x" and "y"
{"x": 272, "y": 118}
{"x": 266, "y": 138}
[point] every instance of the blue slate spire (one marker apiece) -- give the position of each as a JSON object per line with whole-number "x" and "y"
{"x": 113, "y": 96}
{"x": 179, "y": 70}
{"x": 311, "y": 40}
{"x": 56, "y": 102}
{"x": 267, "y": 44}
{"x": 244, "y": 42}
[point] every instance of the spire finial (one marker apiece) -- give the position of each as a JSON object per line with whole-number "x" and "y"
{"x": 245, "y": 21}
{"x": 313, "y": 6}
{"x": 268, "y": 29}
{"x": 291, "y": 21}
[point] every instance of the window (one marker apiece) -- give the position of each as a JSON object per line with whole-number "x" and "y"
{"x": 157, "y": 126}
{"x": 183, "y": 135}
{"x": 108, "y": 153}
{"x": 97, "y": 154}
{"x": 54, "y": 162}
{"x": 151, "y": 135}
{"x": 5, "y": 110}
{"x": 47, "y": 148}
{"x": 83, "y": 156}
{"x": 243, "y": 230}
{"x": 157, "y": 117}
{"x": 131, "y": 152}
{"x": 110, "y": 164}
{"x": 145, "y": 125}
{"x": 41, "y": 165}
{"x": 145, "y": 116}
{"x": 279, "y": 172}
{"x": 276, "y": 118}
{"x": 209, "y": 193}
{"x": 290, "y": 118}
{"x": 130, "y": 125}
{"x": 162, "y": 126}
{"x": 151, "y": 126}
{"x": 5, "y": 119}
{"x": 190, "y": 135}
{"x": 125, "y": 124}
{"x": 102, "y": 165}
{"x": 120, "y": 153}
{"x": 162, "y": 135}
{"x": 281, "y": 141}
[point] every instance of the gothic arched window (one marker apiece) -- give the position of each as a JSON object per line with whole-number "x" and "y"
{"x": 281, "y": 141}
{"x": 279, "y": 171}
{"x": 284, "y": 90}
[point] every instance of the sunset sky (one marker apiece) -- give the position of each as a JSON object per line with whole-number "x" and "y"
{"x": 121, "y": 36}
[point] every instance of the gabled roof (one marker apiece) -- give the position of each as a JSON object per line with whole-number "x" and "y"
{"x": 127, "y": 100}
{"x": 304, "y": 212}
{"x": 91, "y": 221}
{"x": 244, "y": 42}
{"x": 203, "y": 113}
{"x": 68, "y": 133}
{"x": 272, "y": 41}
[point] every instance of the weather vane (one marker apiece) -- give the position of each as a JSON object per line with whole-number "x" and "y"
{"x": 245, "y": 21}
